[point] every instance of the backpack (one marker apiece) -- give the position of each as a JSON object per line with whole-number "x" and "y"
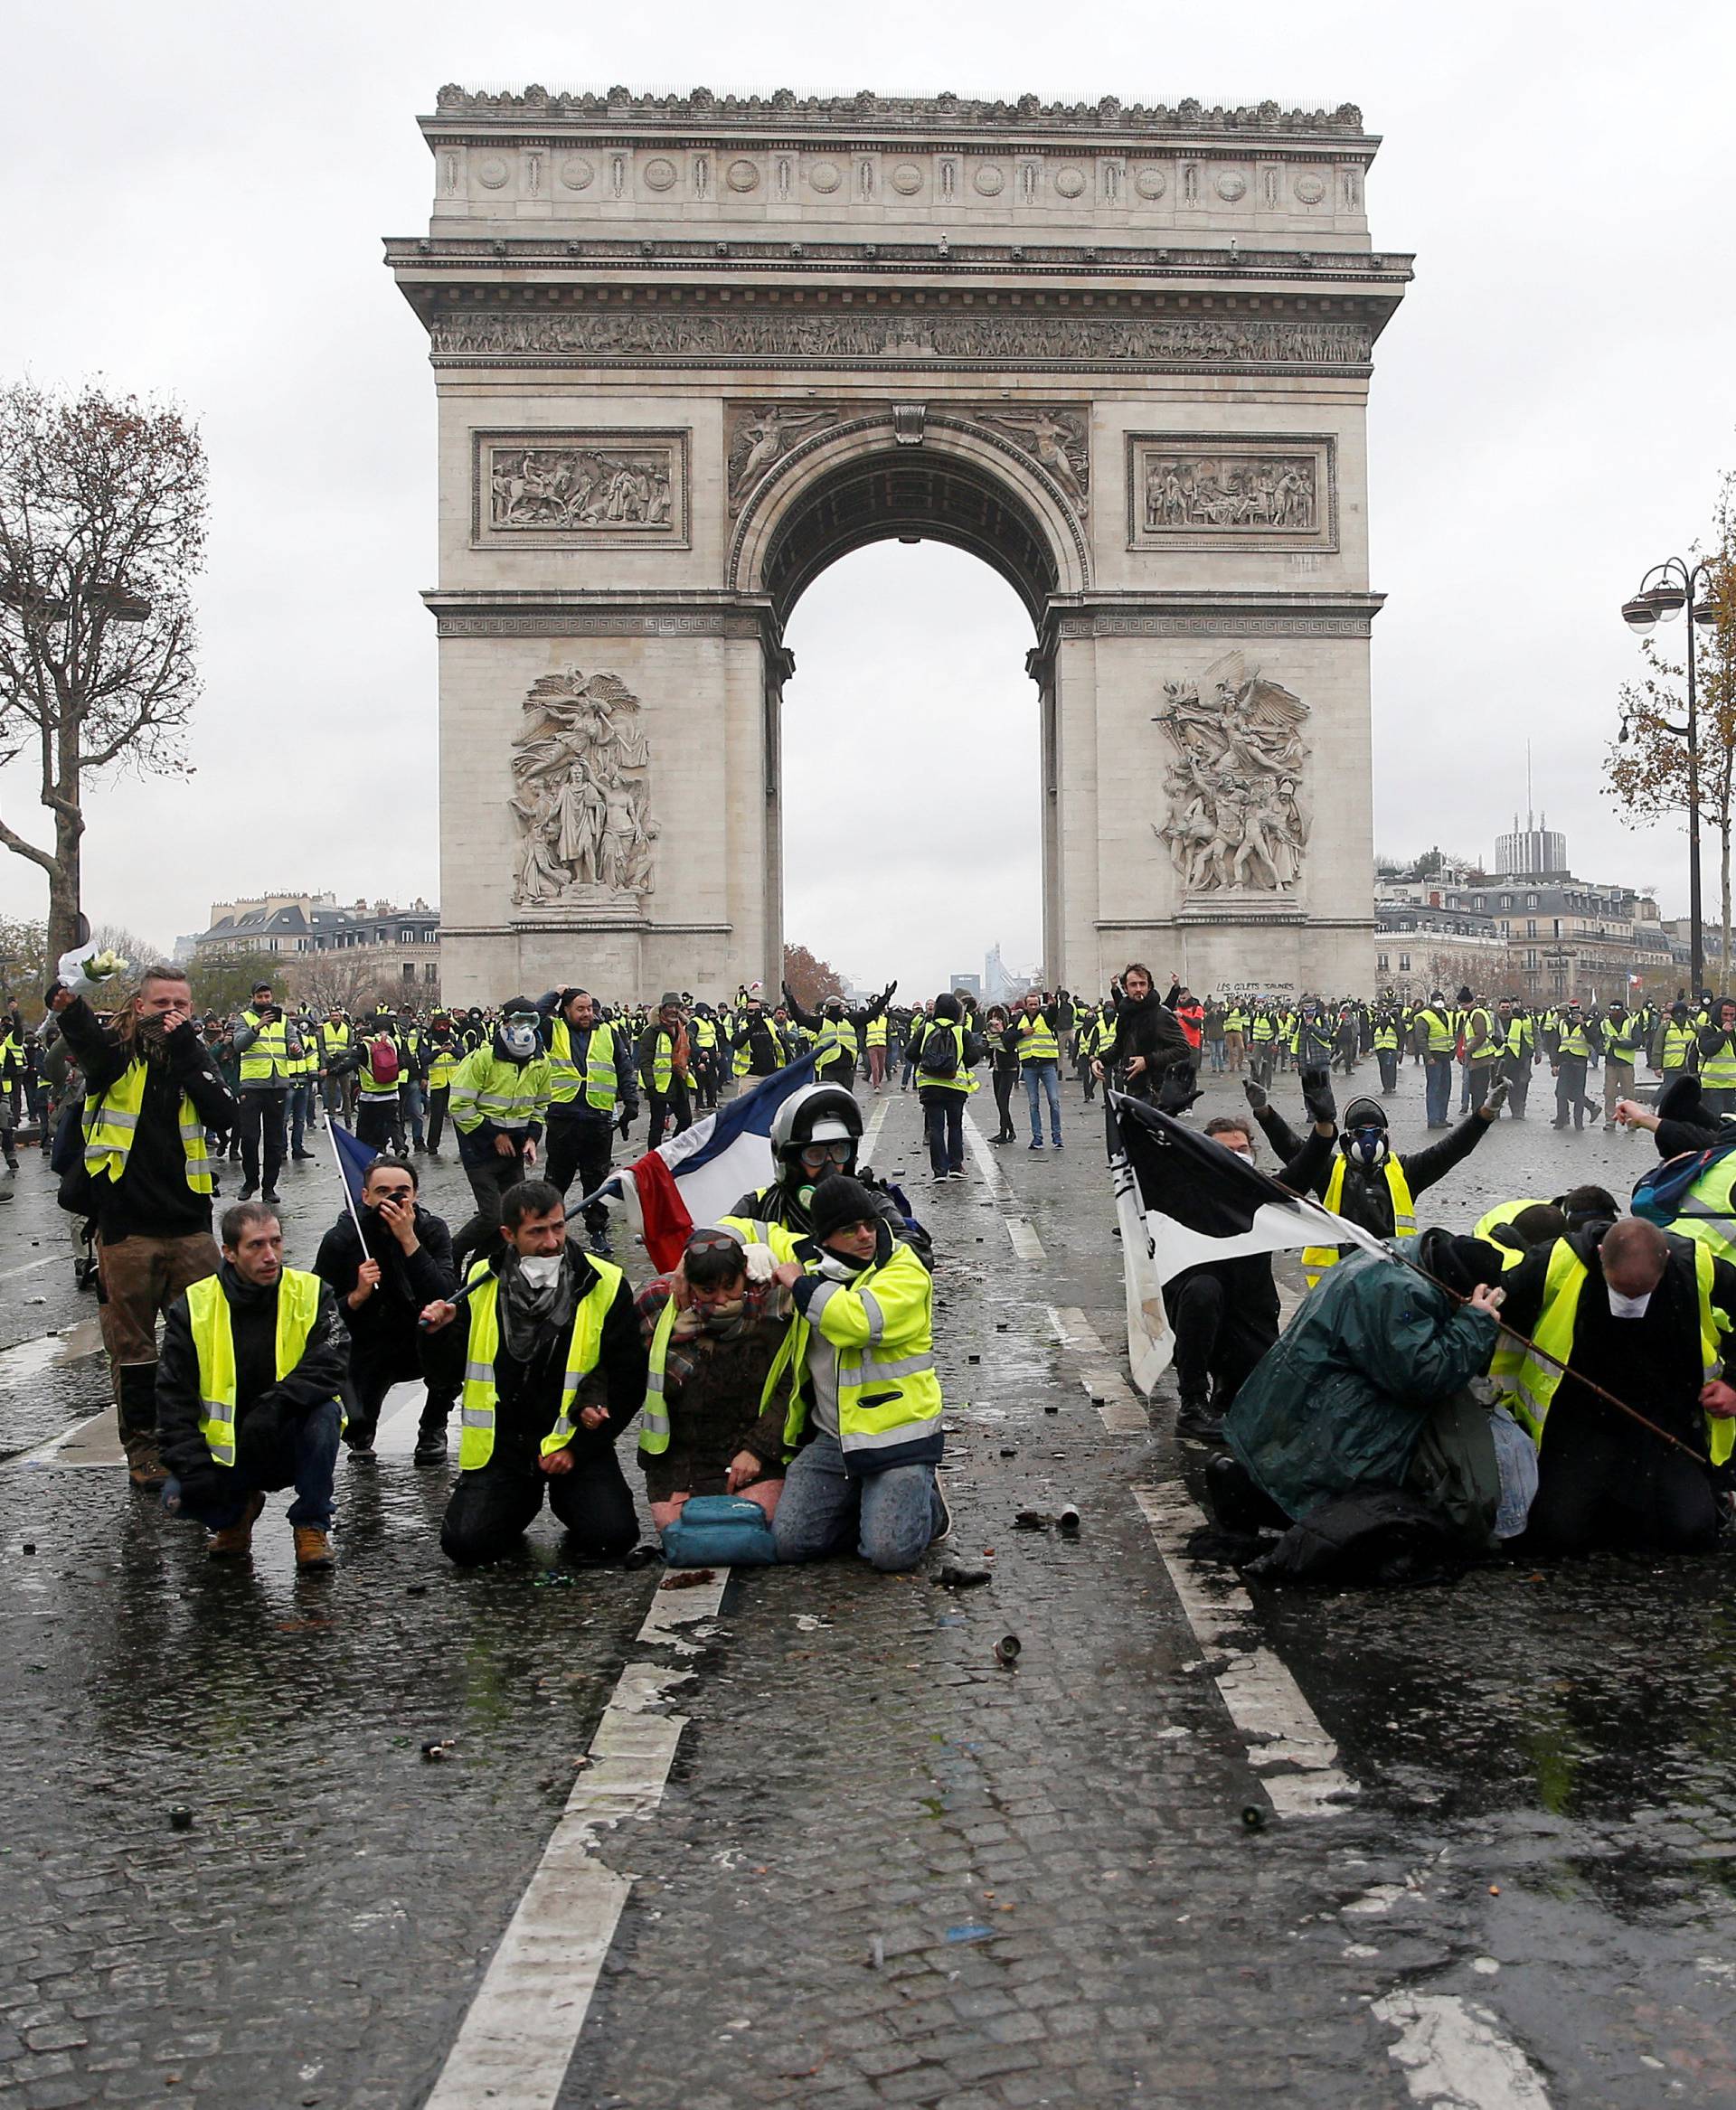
{"x": 383, "y": 1060}
{"x": 1659, "y": 1194}
{"x": 940, "y": 1046}
{"x": 719, "y": 1531}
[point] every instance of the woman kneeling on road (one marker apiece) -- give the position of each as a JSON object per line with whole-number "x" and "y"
{"x": 714, "y": 1336}
{"x": 866, "y": 1408}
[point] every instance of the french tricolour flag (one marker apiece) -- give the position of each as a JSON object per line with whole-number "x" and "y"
{"x": 694, "y": 1177}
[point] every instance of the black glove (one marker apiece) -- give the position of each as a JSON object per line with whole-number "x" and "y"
{"x": 1316, "y": 1095}
{"x": 1255, "y": 1094}
{"x": 625, "y": 1122}
{"x": 202, "y": 1488}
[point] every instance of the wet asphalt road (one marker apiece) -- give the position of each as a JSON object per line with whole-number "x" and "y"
{"x": 884, "y": 1870}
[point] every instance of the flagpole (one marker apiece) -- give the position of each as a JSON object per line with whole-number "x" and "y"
{"x": 1524, "y": 1340}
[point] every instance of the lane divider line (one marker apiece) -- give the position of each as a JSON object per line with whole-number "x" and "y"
{"x": 993, "y": 1178}
{"x": 516, "y": 2042}
{"x": 1120, "y": 1407}
{"x": 1454, "y": 2053}
{"x": 1022, "y": 1232}
{"x": 1265, "y": 1701}
{"x": 29, "y": 1267}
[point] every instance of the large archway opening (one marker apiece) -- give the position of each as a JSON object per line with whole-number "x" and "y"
{"x": 911, "y": 582}
{"x": 911, "y": 772}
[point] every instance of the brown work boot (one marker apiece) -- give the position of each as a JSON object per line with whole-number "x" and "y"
{"x": 313, "y": 1546}
{"x": 234, "y": 1539}
{"x": 144, "y": 1467}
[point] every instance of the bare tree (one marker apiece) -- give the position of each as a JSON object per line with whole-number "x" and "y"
{"x": 102, "y": 530}
{"x": 334, "y": 981}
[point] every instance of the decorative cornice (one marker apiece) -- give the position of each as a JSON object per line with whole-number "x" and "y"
{"x": 556, "y": 614}
{"x": 537, "y": 105}
{"x": 1215, "y": 615}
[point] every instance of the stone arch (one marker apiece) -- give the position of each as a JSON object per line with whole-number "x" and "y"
{"x": 865, "y": 481}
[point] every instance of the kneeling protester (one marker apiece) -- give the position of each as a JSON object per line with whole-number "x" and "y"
{"x": 717, "y": 1394}
{"x": 553, "y": 1369}
{"x": 864, "y": 1414}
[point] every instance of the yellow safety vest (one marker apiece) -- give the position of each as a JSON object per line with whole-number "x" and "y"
{"x": 1678, "y": 1046}
{"x": 334, "y": 1041}
{"x": 111, "y": 1121}
{"x": 889, "y": 1408}
{"x": 1264, "y": 1028}
{"x": 598, "y": 1080}
{"x": 1235, "y": 1021}
{"x": 1443, "y": 1032}
{"x": 480, "y": 1399}
{"x": 511, "y": 1095}
{"x": 835, "y": 1034}
{"x": 1317, "y": 1259}
{"x": 213, "y": 1342}
{"x": 1718, "y": 1072}
{"x": 663, "y": 1064}
{"x": 1037, "y": 1042}
{"x": 1570, "y": 1040}
{"x": 877, "y": 1029}
{"x": 1530, "y": 1383}
{"x": 268, "y": 1055}
{"x": 961, "y": 1079}
{"x": 441, "y": 1064}
{"x": 1623, "y": 1042}
{"x": 704, "y": 1035}
{"x": 1386, "y": 1037}
{"x": 1482, "y": 1042}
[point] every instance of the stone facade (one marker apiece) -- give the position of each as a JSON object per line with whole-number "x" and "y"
{"x": 689, "y": 352}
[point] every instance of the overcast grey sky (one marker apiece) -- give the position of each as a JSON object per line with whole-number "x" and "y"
{"x": 195, "y": 197}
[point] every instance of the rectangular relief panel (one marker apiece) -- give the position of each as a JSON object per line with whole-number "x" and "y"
{"x": 611, "y": 489}
{"x": 1232, "y": 491}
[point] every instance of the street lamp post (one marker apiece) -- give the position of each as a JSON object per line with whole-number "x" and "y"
{"x": 1664, "y": 591}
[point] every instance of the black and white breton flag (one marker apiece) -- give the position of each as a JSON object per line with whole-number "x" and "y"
{"x": 1182, "y": 1199}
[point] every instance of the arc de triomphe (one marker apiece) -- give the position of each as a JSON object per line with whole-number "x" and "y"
{"x": 689, "y": 351}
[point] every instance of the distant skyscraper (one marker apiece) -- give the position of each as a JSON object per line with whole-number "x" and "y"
{"x": 993, "y": 976}
{"x": 1536, "y": 848}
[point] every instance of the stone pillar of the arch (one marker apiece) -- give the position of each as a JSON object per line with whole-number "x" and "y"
{"x": 1063, "y": 666}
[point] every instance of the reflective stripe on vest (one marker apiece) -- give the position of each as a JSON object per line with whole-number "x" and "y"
{"x": 889, "y": 1407}
{"x": 1482, "y": 1043}
{"x": 112, "y": 1122}
{"x": 1570, "y": 1040}
{"x": 599, "y": 1068}
{"x": 1718, "y": 1072}
{"x": 835, "y": 1035}
{"x": 213, "y": 1342}
{"x": 961, "y": 1079}
{"x": 877, "y": 1029}
{"x": 1317, "y": 1259}
{"x": 268, "y": 1055}
{"x": 1678, "y": 1046}
{"x": 1530, "y": 1383}
{"x": 1037, "y": 1042}
{"x": 1443, "y": 1035}
{"x": 480, "y": 1399}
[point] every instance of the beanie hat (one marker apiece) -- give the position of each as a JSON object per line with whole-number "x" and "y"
{"x": 838, "y": 1200}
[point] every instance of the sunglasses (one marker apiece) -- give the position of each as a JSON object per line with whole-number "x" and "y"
{"x": 714, "y": 1243}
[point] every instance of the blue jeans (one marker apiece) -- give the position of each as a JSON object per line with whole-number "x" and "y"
{"x": 1438, "y": 1085}
{"x": 893, "y": 1516}
{"x": 409, "y": 1098}
{"x": 1045, "y": 1076}
{"x": 311, "y": 1458}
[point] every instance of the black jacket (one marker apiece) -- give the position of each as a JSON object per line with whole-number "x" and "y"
{"x": 260, "y": 1396}
{"x": 152, "y": 1198}
{"x": 384, "y": 1328}
{"x": 1367, "y": 1199}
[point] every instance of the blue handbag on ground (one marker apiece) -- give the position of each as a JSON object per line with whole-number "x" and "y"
{"x": 719, "y": 1531}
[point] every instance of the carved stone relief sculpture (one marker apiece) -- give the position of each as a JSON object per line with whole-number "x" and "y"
{"x": 580, "y": 792}
{"x": 1238, "y": 821}
{"x": 1058, "y": 438}
{"x": 1210, "y": 492}
{"x": 760, "y": 434}
{"x": 577, "y": 487}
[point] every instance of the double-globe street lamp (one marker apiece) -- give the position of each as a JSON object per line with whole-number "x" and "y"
{"x": 1664, "y": 591}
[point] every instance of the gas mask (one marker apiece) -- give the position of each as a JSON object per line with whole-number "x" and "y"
{"x": 1367, "y": 1147}
{"x": 518, "y": 1039}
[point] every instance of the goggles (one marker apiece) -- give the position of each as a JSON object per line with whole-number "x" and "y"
{"x": 815, "y": 1154}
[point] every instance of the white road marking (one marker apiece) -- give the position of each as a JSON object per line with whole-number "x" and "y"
{"x": 400, "y": 1418}
{"x": 1264, "y": 1701}
{"x": 518, "y": 2037}
{"x": 1120, "y": 1407}
{"x": 1022, "y": 1232}
{"x": 993, "y": 1178}
{"x": 871, "y": 1134}
{"x": 1456, "y": 2056}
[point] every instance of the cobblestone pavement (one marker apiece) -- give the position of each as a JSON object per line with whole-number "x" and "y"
{"x": 885, "y": 1870}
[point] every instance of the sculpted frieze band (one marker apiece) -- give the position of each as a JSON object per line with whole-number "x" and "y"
{"x": 1237, "y": 821}
{"x": 1203, "y": 491}
{"x": 1021, "y": 341}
